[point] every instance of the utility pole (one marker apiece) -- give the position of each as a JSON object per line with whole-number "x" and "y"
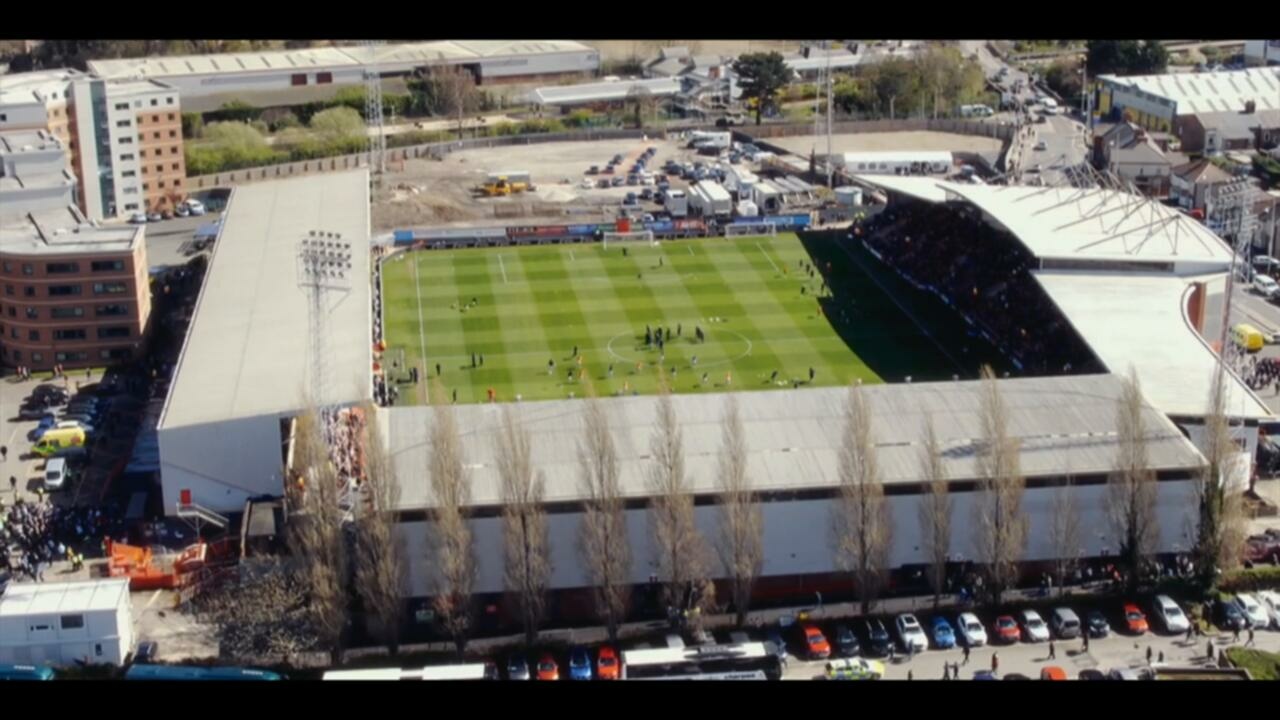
{"x": 830, "y": 162}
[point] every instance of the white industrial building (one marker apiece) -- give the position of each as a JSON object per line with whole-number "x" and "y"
{"x": 1065, "y": 426}
{"x": 65, "y": 623}
{"x": 1156, "y": 101}
{"x": 609, "y": 91}
{"x": 244, "y": 367}
{"x": 287, "y": 77}
{"x": 1262, "y": 52}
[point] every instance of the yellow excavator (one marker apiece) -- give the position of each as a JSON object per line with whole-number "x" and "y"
{"x": 507, "y": 183}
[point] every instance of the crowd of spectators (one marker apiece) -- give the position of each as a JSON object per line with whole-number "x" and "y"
{"x": 35, "y": 535}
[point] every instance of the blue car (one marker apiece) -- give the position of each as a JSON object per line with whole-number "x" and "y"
{"x": 579, "y": 664}
{"x": 943, "y": 635}
{"x": 46, "y": 421}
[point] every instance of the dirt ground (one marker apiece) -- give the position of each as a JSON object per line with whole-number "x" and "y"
{"x": 439, "y": 193}
{"x": 860, "y": 142}
{"x": 648, "y": 49}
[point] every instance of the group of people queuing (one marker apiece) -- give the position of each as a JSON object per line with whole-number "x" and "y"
{"x": 35, "y": 535}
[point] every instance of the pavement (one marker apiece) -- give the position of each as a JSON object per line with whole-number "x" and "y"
{"x": 1248, "y": 307}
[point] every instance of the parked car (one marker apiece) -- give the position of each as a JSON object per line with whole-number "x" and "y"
{"x": 518, "y": 668}
{"x": 586, "y": 184}
{"x": 630, "y": 199}
{"x": 1042, "y": 145}
{"x": 88, "y": 429}
{"x": 846, "y": 641}
{"x": 1253, "y": 610}
{"x": 972, "y": 634}
{"x": 138, "y": 218}
{"x": 877, "y": 637}
{"x": 1006, "y": 629}
{"x": 1171, "y": 616}
{"x": 1034, "y": 627}
{"x": 603, "y": 183}
{"x": 619, "y": 181}
{"x": 815, "y": 642}
{"x": 1065, "y": 623}
{"x": 1266, "y": 286}
{"x": 1228, "y": 616}
{"x": 607, "y": 667}
{"x": 46, "y": 421}
{"x": 166, "y": 214}
{"x": 182, "y": 211}
{"x": 854, "y": 669}
{"x": 56, "y": 473}
{"x": 910, "y": 634}
{"x": 32, "y": 411}
{"x": 1053, "y": 672}
{"x": 146, "y": 652}
{"x": 1096, "y": 624}
{"x": 548, "y": 669}
{"x": 195, "y": 207}
{"x": 1270, "y": 599}
{"x": 646, "y": 194}
{"x": 944, "y": 636}
{"x": 1135, "y": 621}
{"x": 579, "y": 664}
{"x": 154, "y": 217}
{"x": 593, "y": 170}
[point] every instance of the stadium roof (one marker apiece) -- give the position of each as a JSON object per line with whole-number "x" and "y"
{"x": 1064, "y": 424}
{"x": 1140, "y": 320}
{"x": 1081, "y": 224}
{"x": 1196, "y": 93}
{"x": 246, "y": 349}
{"x": 602, "y": 91}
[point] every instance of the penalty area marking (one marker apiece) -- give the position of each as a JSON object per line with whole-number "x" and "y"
{"x": 570, "y": 256}
{"x": 715, "y": 363}
{"x": 766, "y": 257}
{"x": 689, "y": 248}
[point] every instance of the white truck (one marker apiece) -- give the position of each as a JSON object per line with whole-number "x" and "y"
{"x": 709, "y": 199}
{"x": 676, "y": 203}
{"x": 703, "y": 140}
{"x": 740, "y": 180}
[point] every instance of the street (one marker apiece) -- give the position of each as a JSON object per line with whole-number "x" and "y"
{"x": 168, "y": 241}
{"x": 1247, "y": 306}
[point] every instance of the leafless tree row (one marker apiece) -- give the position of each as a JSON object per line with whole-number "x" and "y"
{"x": 862, "y": 524}
{"x": 605, "y": 548}
{"x": 451, "y": 548}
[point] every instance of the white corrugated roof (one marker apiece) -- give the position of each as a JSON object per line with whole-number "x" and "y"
{"x": 246, "y": 349}
{"x": 1064, "y": 424}
{"x": 1224, "y": 91}
{"x": 1139, "y": 320}
{"x": 603, "y": 91}
{"x": 23, "y": 599}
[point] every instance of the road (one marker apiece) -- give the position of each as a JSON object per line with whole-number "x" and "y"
{"x": 168, "y": 241}
{"x": 1247, "y": 306}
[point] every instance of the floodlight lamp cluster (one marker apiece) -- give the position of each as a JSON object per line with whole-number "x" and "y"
{"x": 325, "y": 255}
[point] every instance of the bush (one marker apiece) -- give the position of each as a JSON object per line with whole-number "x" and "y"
{"x": 235, "y": 111}
{"x": 338, "y": 124}
{"x": 1251, "y": 580}
{"x": 1262, "y": 665}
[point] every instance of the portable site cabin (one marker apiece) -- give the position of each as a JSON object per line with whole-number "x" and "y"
{"x": 767, "y": 196}
{"x": 896, "y": 162}
{"x": 60, "y": 623}
{"x": 710, "y": 199}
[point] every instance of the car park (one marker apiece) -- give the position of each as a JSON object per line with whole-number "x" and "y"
{"x": 607, "y": 667}
{"x": 878, "y": 642}
{"x": 944, "y": 636}
{"x": 1270, "y": 599}
{"x": 518, "y": 668}
{"x": 1065, "y": 623}
{"x": 854, "y": 669}
{"x": 970, "y": 630}
{"x": 910, "y": 634}
{"x": 1170, "y": 615}
{"x": 846, "y": 641}
{"x": 1228, "y": 616}
{"x": 815, "y": 642}
{"x": 1006, "y": 629}
{"x": 1252, "y": 610}
{"x": 1096, "y": 624}
{"x": 1135, "y": 621}
{"x": 1034, "y": 627}
{"x": 548, "y": 669}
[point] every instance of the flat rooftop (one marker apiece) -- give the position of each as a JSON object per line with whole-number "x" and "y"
{"x": 1139, "y": 320}
{"x": 25, "y": 599}
{"x": 246, "y": 349}
{"x": 1195, "y": 93}
{"x": 604, "y": 91}
{"x": 38, "y": 86}
{"x": 1064, "y": 424}
{"x": 25, "y": 141}
{"x": 65, "y": 232}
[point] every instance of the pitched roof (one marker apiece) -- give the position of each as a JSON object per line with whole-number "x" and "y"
{"x": 1201, "y": 171}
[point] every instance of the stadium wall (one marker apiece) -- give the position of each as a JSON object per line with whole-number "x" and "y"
{"x": 196, "y": 458}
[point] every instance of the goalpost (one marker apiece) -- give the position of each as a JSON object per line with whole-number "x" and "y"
{"x": 750, "y": 229}
{"x": 628, "y": 237}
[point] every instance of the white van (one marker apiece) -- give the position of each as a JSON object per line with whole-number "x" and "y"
{"x": 55, "y": 473}
{"x": 1266, "y": 286}
{"x": 1065, "y": 623}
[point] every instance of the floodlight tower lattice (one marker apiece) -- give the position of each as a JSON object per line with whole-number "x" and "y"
{"x": 373, "y": 112}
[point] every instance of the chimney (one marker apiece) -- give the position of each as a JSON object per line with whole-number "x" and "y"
{"x": 1250, "y": 106}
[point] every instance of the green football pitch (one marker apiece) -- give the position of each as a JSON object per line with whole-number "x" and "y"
{"x": 522, "y": 312}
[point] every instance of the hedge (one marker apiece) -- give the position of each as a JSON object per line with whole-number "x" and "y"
{"x": 1251, "y": 580}
{"x": 1262, "y": 665}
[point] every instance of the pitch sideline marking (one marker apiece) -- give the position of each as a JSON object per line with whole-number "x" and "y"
{"x": 422, "y": 333}
{"x": 503, "y": 267}
{"x": 766, "y": 257}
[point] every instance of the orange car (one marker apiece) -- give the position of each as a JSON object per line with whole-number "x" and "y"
{"x": 1134, "y": 619}
{"x": 607, "y": 664}
{"x": 1053, "y": 672}
{"x": 1007, "y": 629}
{"x": 547, "y": 668}
{"x": 815, "y": 642}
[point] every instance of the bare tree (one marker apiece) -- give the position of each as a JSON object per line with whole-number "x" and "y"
{"x": 454, "y": 93}
{"x": 741, "y": 521}
{"x": 380, "y": 554}
{"x": 452, "y": 546}
{"x": 526, "y": 544}
{"x": 935, "y": 512}
{"x": 1064, "y": 531}
{"x": 641, "y": 102}
{"x": 1131, "y": 487}
{"x": 861, "y": 524}
{"x": 316, "y": 534}
{"x": 260, "y": 617}
{"x": 682, "y": 551}
{"x": 605, "y": 547}
{"x": 1222, "y": 530}
{"x": 1001, "y": 536}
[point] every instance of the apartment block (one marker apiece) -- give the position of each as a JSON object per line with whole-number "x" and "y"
{"x": 40, "y": 101}
{"x": 33, "y": 172}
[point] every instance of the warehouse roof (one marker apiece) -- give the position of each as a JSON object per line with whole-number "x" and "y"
{"x": 1195, "y": 93}
{"x": 246, "y": 350}
{"x": 603, "y": 91}
{"x": 1064, "y": 424}
{"x": 1139, "y": 320}
{"x": 25, "y": 599}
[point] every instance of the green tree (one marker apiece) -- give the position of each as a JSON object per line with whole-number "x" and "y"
{"x": 1063, "y": 77}
{"x": 235, "y": 137}
{"x": 192, "y": 125}
{"x": 1126, "y": 57}
{"x": 761, "y": 76}
{"x": 338, "y": 124}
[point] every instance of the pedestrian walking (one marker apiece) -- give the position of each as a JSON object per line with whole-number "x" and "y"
{"x": 438, "y": 373}
{"x": 1053, "y": 651}
{"x": 1250, "y": 637}
{"x": 481, "y": 359}
{"x": 1085, "y": 636}
{"x": 1190, "y": 631}
{"x": 892, "y": 652}
{"x": 575, "y": 351}
{"x": 995, "y": 662}
{"x": 811, "y": 374}
{"x": 679, "y": 330}
{"x": 473, "y": 359}
{"x": 1236, "y": 636}
{"x": 1209, "y": 649}
{"x": 1150, "y": 653}
{"x": 4, "y": 453}
{"x": 966, "y": 654}
{"x": 910, "y": 675}
{"x": 455, "y": 396}
{"x": 1161, "y": 657}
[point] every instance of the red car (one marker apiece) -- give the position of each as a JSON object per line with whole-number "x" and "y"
{"x": 816, "y": 642}
{"x": 1134, "y": 619}
{"x": 547, "y": 668}
{"x": 607, "y": 667}
{"x": 1006, "y": 629}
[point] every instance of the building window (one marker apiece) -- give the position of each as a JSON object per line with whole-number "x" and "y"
{"x": 168, "y": 101}
{"x": 37, "y": 357}
{"x": 123, "y": 123}
{"x": 160, "y": 184}
{"x": 154, "y": 102}
{"x": 129, "y": 173}
{"x": 145, "y": 186}
{"x": 173, "y": 150}
{"x": 4, "y": 117}
{"x": 8, "y": 289}
{"x": 115, "y": 354}
{"x": 72, "y": 622}
{"x": 172, "y": 117}
{"x": 156, "y": 118}
{"x": 63, "y": 313}
{"x": 298, "y": 79}
{"x": 28, "y": 269}
{"x": 32, "y": 314}
{"x": 175, "y": 166}
{"x": 33, "y": 335}
{"x": 12, "y": 312}
{"x": 122, "y": 106}
{"x": 142, "y": 153}
{"x": 73, "y": 334}
{"x": 126, "y": 157}
{"x": 13, "y": 333}
{"x": 8, "y": 266}
{"x": 63, "y": 290}
{"x": 29, "y": 291}
{"x": 159, "y": 168}
{"x": 173, "y": 133}
{"x": 111, "y": 310}
{"x": 132, "y": 190}
{"x": 107, "y": 265}
{"x": 324, "y": 78}
{"x": 177, "y": 183}
{"x": 126, "y": 141}
{"x": 109, "y": 288}
{"x": 131, "y": 206}
{"x": 70, "y": 356}
{"x": 113, "y": 332}
{"x": 61, "y": 267}
{"x": 155, "y": 135}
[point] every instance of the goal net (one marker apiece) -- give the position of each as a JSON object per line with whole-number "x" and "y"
{"x": 634, "y": 236}
{"x": 750, "y": 229}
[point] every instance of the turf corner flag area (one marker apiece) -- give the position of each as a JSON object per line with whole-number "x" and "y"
{"x": 537, "y": 323}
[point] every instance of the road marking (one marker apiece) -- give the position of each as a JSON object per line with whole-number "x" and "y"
{"x": 503, "y": 267}
{"x": 766, "y": 257}
{"x": 154, "y": 596}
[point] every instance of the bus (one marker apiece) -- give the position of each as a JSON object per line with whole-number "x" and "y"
{"x": 191, "y": 672}
{"x": 26, "y": 672}
{"x": 471, "y": 671}
{"x": 739, "y": 661}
